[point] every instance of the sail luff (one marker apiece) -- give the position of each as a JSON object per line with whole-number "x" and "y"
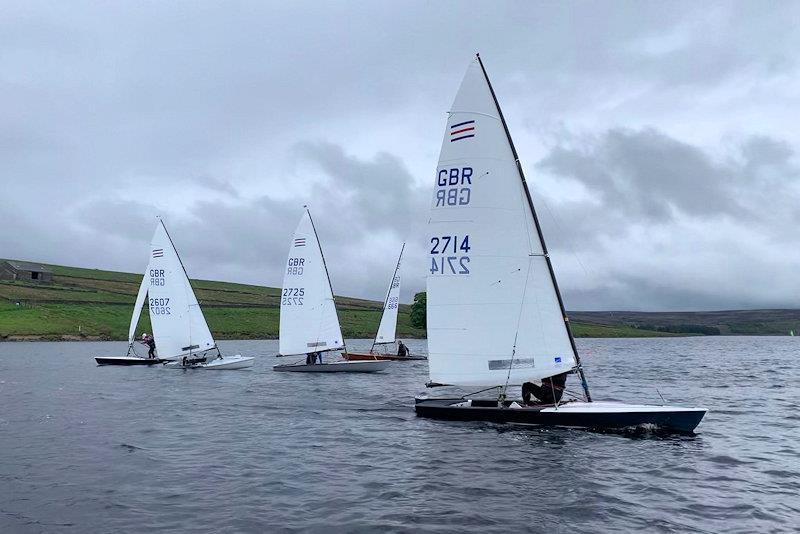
{"x": 542, "y": 241}
{"x": 137, "y": 308}
{"x": 386, "y": 302}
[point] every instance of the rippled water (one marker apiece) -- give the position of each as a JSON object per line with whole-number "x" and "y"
{"x": 87, "y": 449}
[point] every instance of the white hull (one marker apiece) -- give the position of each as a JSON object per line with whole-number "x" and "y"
{"x": 335, "y": 367}
{"x": 227, "y": 362}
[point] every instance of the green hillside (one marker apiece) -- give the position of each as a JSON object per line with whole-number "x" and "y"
{"x": 94, "y": 304}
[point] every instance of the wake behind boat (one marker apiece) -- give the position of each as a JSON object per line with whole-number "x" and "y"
{"x": 309, "y": 325}
{"x": 495, "y": 314}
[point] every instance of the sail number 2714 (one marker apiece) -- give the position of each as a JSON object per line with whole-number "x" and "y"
{"x": 450, "y": 254}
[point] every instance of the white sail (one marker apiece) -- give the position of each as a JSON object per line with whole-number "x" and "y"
{"x": 387, "y": 330}
{"x": 308, "y": 312}
{"x": 493, "y": 312}
{"x": 178, "y": 323}
{"x": 137, "y": 307}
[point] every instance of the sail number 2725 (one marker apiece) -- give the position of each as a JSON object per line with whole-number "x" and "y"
{"x": 450, "y": 254}
{"x": 293, "y": 296}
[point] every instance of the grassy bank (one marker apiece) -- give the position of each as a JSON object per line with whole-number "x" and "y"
{"x": 94, "y": 304}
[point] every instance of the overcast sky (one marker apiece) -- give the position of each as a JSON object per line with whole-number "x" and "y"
{"x": 660, "y": 138}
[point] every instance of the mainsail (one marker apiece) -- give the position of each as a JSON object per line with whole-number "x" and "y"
{"x": 387, "y": 330}
{"x": 137, "y": 308}
{"x": 494, "y": 313}
{"x": 178, "y": 323}
{"x": 308, "y": 312}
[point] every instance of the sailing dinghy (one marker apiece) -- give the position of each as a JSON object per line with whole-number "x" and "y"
{"x": 309, "y": 323}
{"x": 179, "y": 326}
{"x": 132, "y": 358}
{"x": 495, "y": 315}
{"x": 386, "y": 335}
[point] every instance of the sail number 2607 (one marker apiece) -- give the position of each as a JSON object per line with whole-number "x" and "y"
{"x": 450, "y": 254}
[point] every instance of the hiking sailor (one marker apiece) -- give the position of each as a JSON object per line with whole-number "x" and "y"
{"x": 549, "y": 392}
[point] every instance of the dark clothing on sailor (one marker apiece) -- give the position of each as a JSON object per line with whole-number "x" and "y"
{"x": 402, "y": 350}
{"x": 544, "y": 393}
{"x": 151, "y": 343}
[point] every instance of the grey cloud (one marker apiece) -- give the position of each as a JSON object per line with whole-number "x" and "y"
{"x": 654, "y": 202}
{"x": 648, "y": 175}
{"x": 227, "y": 118}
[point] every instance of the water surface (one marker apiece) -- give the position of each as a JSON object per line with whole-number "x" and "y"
{"x": 100, "y": 449}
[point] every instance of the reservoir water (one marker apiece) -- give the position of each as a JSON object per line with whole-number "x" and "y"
{"x": 113, "y": 449}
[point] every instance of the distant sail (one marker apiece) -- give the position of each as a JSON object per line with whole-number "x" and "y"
{"x": 308, "y": 312}
{"x": 493, "y": 312}
{"x": 178, "y": 323}
{"x": 387, "y": 331}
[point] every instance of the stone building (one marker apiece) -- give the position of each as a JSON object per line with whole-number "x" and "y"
{"x": 25, "y": 271}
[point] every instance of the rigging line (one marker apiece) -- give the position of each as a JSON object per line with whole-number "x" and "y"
{"x": 525, "y": 214}
{"x": 327, "y": 274}
{"x": 566, "y": 235}
{"x": 553, "y": 389}
{"x": 479, "y": 391}
{"x": 519, "y": 321}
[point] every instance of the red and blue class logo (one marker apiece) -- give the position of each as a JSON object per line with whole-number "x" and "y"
{"x": 462, "y": 130}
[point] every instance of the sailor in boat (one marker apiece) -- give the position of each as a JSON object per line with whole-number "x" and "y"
{"x": 151, "y": 343}
{"x": 549, "y": 392}
{"x": 312, "y": 357}
{"x": 402, "y": 350}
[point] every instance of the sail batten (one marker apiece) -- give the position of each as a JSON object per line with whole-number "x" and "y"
{"x": 308, "y": 320}
{"x": 494, "y": 313}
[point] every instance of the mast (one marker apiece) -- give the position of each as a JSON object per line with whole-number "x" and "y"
{"x": 327, "y": 274}
{"x": 578, "y": 365}
{"x": 389, "y": 292}
{"x": 189, "y": 280}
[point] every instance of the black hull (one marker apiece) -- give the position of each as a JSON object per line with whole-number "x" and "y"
{"x": 116, "y": 360}
{"x": 677, "y": 420}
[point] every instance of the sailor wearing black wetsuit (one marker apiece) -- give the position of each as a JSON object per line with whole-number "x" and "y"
{"x": 545, "y": 392}
{"x": 151, "y": 343}
{"x": 402, "y": 350}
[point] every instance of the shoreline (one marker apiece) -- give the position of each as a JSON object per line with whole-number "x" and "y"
{"x": 73, "y": 338}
